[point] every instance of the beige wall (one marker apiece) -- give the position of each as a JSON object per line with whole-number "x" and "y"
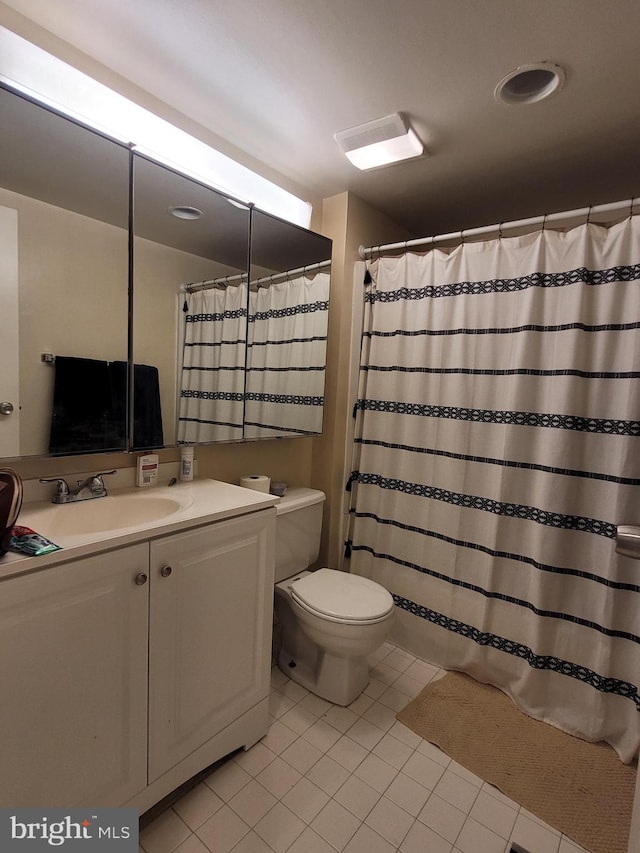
{"x": 350, "y": 222}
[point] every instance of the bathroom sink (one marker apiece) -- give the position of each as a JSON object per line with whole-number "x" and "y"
{"x": 105, "y": 514}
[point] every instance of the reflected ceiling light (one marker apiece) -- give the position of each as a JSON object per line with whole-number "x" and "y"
{"x": 185, "y": 211}
{"x": 528, "y": 84}
{"x": 49, "y": 80}
{"x": 238, "y": 204}
{"x": 380, "y": 142}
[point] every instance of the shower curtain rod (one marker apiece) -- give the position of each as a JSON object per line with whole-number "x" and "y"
{"x": 195, "y": 286}
{"x": 501, "y": 227}
{"x": 267, "y": 279}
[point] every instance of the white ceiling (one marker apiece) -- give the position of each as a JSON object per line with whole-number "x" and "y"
{"x": 277, "y": 78}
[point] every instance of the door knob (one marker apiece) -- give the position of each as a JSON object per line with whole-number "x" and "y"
{"x": 141, "y": 579}
{"x": 628, "y": 540}
{"x": 165, "y": 571}
{"x": 6, "y": 408}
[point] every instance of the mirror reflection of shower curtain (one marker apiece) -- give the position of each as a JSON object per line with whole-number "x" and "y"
{"x": 212, "y": 384}
{"x": 286, "y": 357}
{"x": 497, "y": 448}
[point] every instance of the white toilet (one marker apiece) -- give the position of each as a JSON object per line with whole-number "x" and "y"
{"x": 330, "y": 620}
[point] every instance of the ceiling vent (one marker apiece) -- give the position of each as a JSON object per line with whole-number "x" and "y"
{"x": 380, "y": 142}
{"x": 528, "y": 84}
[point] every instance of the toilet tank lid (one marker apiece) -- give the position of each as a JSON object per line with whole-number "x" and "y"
{"x": 298, "y": 498}
{"x": 341, "y": 595}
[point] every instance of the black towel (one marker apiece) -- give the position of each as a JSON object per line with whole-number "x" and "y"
{"x": 87, "y": 414}
{"x": 147, "y": 411}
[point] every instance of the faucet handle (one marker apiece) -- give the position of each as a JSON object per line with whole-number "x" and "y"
{"x": 96, "y": 483}
{"x": 63, "y": 488}
{"x": 104, "y": 474}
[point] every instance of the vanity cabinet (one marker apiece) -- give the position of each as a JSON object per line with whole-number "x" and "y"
{"x": 73, "y": 670}
{"x": 125, "y": 673}
{"x": 211, "y": 598}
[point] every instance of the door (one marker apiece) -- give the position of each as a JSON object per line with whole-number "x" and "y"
{"x": 9, "y": 378}
{"x": 73, "y": 670}
{"x": 211, "y": 613}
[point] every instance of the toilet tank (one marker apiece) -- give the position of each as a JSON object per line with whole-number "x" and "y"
{"x": 298, "y": 528}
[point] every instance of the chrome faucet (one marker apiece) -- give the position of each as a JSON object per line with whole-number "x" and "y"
{"x": 86, "y": 490}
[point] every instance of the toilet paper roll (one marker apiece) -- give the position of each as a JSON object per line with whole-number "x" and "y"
{"x": 257, "y": 482}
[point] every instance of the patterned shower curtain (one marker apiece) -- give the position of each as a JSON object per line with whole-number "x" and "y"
{"x": 212, "y": 378}
{"x": 497, "y": 448}
{"x": 286, "y": 356}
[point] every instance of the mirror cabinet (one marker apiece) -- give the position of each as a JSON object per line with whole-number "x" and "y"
{"x": 64, "y": 199}
{"x": 140, "y": 308}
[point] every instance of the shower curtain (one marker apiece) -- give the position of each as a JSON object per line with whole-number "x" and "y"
{"x": 286, "y": 356}
{"x": 497, "y": 448}
{"x": 212, "y": 378}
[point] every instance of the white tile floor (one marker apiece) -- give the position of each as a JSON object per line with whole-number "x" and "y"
{"x": 351, "y": 780}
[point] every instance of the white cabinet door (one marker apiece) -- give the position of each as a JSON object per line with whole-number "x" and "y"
{"x": 211, "y": 615}
{"x": 73, "y": 676}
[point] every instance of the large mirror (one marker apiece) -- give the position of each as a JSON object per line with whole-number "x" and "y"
{"x": 64, "y": 205}
{"x": 287, "y": 336}
{"x": 191, "y": 249}
{"x": 142, "y": 309}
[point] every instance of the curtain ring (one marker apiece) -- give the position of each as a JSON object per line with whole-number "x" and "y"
{"x": 433, "y": 242}
{"x": 500, "y": 231}
{"x": 544, "y": 222}
{"x": 589, "y": 215}
{"x": 462, "y": 237}
{"x": 631, "y": 208}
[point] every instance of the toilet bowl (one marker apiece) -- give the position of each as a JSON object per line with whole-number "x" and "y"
{"x": 330, "y": 621}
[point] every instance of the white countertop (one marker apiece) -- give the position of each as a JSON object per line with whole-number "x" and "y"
{"x": 200, "y": 502}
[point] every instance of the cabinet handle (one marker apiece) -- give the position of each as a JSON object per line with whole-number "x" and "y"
{"x": 165, "y": 571}
{"x": 141, "y": 579}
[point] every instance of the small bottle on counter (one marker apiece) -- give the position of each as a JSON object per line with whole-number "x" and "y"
{"x": 186, "y": 463}
{"x": 148, "y": 470}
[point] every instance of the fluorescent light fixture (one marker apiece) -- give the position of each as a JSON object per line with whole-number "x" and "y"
{"x": 380, "y": 142}
{"x": 31, "y": 70}
{"x": 185, "y": 211}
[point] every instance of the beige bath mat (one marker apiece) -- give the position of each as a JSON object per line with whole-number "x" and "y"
{"x": 582, "y": 789}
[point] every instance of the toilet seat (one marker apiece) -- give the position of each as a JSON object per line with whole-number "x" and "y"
{"x": 342, "y": 597}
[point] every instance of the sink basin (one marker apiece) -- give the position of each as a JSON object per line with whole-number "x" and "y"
{"x": 102, "y": 514}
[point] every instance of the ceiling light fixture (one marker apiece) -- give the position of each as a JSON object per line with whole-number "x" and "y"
{"x": 185, "y": 211}
{"x": 42, "y": 76}
{"x": 528, "y": 84}
{"x": 380, "y": 142}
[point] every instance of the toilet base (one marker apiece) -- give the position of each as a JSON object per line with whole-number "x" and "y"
{"x": 337, "y": 679}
